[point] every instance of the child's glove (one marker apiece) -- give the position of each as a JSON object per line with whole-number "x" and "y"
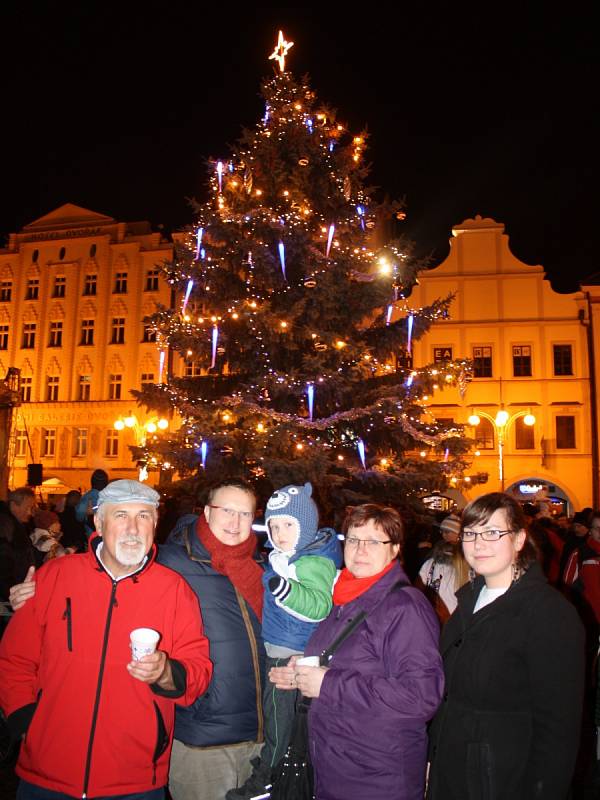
{"x": 279, "y": 588}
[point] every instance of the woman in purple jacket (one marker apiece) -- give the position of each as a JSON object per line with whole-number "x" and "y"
{"x": 371, "y": 704}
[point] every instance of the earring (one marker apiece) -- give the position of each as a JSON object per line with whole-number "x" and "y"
{"x": 472, "y": 575}
{"x": 516, "y": 572}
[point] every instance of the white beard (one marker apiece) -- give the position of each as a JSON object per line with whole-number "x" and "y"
{"x": 129, "y": 557}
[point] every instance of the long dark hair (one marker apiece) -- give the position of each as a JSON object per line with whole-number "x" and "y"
{"x": 480, "y": 510}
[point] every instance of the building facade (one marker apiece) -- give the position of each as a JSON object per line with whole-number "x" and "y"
{"x": 75, "y": 287}
{"x": 531, "y": 354}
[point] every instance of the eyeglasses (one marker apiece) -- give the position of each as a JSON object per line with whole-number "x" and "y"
{"x": 486, "y": 536}
{"x": 370, "y": 544}
{"x": 230, "y": 513}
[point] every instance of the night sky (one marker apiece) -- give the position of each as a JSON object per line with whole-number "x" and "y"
{"x": 117, "y": 108}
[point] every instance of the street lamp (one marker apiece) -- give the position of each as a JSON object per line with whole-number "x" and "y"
{"x": 141, "y": 431}
{"x": 501, "y": 422}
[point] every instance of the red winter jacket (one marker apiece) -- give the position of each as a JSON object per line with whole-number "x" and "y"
{"x": 93, "y": 729}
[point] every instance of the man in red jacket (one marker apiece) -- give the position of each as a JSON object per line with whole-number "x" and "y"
{"x": 95, "y": 722}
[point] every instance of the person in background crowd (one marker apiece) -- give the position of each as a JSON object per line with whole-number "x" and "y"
{"x": 513, "y": 655}
{"x": 17, "y": 553}
{"x": 442, "y": 575}
{"x": 73, "y": 531}
{"x": 546, "y": 537}
{"x": 46, "y": 536}
{"x": 84, "y": 510}
{"x": 577, "y": 533}
{"x": 216, "y": 737}
{"x": 298, "y": 585}
{"x": 371, "y": 704}
{"x": 98, "y": 722}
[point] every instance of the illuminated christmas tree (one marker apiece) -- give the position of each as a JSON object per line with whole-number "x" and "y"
{"x": 295, "y": 323}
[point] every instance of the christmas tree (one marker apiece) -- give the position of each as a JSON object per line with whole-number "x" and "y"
{"x": 295, "y": 325}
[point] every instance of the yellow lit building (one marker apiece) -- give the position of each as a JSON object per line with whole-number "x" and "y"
{"x": 531, "y": 358}
{"x": 75, "y": 287}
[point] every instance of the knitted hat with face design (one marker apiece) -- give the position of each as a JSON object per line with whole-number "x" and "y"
{"x": 296, "y": 502}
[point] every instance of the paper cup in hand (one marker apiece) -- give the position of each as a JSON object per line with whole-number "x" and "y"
{"x": 308, "y": 661}
{"x": 143, "y": 642}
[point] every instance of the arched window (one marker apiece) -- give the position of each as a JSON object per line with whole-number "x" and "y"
{"x": 484, "y": 434}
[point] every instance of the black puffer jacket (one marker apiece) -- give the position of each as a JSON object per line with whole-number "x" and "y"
{"x": 230, "y": 711}
{"x": 508, "y": 728}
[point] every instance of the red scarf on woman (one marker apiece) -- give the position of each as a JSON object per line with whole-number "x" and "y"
{"x": 348, "y": 588}
{"x": 236, "y": 562}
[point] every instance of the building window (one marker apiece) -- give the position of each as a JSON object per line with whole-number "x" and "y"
{"x": 25, "y": 386}
{"x": 563, "y": 359}
{"x": 91, "y": 282}
{"x": 93, "y": 248}
{"x": 484, "y": 436}
{"x": 85, "y": 387}
{"x": 28, "y": 335}
{"x": 149, "y": 334}
{"x": 441, "y": 354}
{"x": 120, "y": 283}
{"x": 21, "y": 443}
{"x": 524, "y": 435}
{"x": 62, "y": 253}
{"x": 87, "y": 331}
{"x": 118, "y": 330}
{"x": 114, "y": 387}
{"x": 565, "y": 433}
{"x": 192, "y": 368}
{"x": 152, "y": 280}
{"x": 33, "y": 289}
{"x": 482, "y": 362}
{"x": 35, "y": 255}
{"x": 5, "y": 291}
{"x": 522, "y": 361}
{"x": 112, "y": 443}
{"x": 48, "y": 442}
{"x": 147, "y": 381}
{"x": 3, "y": 337}
{"x": 80, "y": 442}
{"x": 56, "y": 332}
{"x": 52, "y": 388}
{"x": 60, "y": 286}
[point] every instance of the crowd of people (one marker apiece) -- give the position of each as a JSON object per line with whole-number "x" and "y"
{"x": 499, "y": 705}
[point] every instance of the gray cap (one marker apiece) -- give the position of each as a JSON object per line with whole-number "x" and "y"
{"x": 127, "y": 491}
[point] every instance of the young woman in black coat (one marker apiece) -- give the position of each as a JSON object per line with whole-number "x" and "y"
{"x": 508, "y": 728}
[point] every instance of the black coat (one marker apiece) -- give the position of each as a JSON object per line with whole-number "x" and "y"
{"x": 508, "y": 728}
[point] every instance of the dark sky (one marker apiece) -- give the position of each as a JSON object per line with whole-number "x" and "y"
{"x": 116, "y": 107}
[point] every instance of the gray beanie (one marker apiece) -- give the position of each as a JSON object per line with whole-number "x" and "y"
{"x": 296, "y": 502}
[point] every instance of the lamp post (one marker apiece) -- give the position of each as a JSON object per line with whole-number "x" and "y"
{"x": 141, "y": 431}
{"x": 501, "y": 422}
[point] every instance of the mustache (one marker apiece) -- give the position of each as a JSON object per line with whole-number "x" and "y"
{"x": 131, "y": 540}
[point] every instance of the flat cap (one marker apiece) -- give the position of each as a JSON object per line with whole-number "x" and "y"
{"x": 127, "y": 491}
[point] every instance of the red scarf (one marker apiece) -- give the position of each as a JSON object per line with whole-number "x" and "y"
{"x": 348, "y": 588}
{"x": 236, "y": 562}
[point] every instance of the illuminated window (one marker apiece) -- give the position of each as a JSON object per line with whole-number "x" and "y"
{"x": 80, "y": 442}
{"x": 114, "y": 387}
{"x": 482, "y": 362}
{"x": 48, "y": 442}
{"x": 52, "y": 388}
{"x": 87, "y": 332}
{"x": 522, "y": 361}
{"x": 484, "y": 435}
{"x": 4, "y": 337}
{"x": 112, "y": 443}
{"x": 28, "y": 335}
{"x": 192, "y": 368}
{"x": 56, "y": 332}
{"x": 524, "y": 435}
{"x": 118, "y": 331}
{"x": 565, "y": 432}
{"x": 25, "y": 387}
{"x": 85, "y": 387}
{"x": 21, "y": 443}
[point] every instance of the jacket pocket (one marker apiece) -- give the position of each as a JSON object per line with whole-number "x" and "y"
{"x": 162, "y": 735}
{"x": 67, "y": 616}
{"x": 479, "y": 771}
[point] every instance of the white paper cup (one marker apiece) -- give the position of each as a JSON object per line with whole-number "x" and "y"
{"x": 308, "y": 661}
{"x": 143, "y": 642}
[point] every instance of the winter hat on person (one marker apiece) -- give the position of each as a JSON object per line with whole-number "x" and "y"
{"x": 128, "y": 491}
{"x": 295, "y": 502}
{"x": 44, "y": 519}
{"x": 99, "y": 479}
{"x": 451, "y": 524}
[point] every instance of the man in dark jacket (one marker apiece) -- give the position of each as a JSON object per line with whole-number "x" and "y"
{"x": 16, "y": 551}
{"x": 218, "y": 735}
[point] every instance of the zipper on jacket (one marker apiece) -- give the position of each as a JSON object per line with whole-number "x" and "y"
{"x": 67, "y": 616}
{"x": 88, "y": 760}
{"x": 255, "y": 662}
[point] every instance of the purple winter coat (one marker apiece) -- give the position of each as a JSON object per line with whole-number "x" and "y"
{"x": 367, "y": 728}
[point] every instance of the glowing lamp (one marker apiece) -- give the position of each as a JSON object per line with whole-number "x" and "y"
{"x": 129, "y": 421}
{"x": 150, "y": 427}
{"x": 501, "y": 418}
{"x": 119, "y": 425}
{"x": 163, "y": 424}
{"x": 474, "y": 420}
{"x": 529, "y": 419}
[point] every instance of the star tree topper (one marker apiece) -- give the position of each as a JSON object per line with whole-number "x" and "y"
{"x": 281, "y": 51}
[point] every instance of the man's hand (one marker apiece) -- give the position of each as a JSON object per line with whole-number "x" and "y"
{"x": 21, "y": 592}
{"x": 154, "y": 668}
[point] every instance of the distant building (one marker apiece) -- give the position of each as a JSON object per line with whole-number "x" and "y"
{"x": 75, "y": 287}
{"x": 531, "y": 354}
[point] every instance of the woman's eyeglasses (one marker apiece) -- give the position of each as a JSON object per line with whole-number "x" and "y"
{"x": 370, "y": 544}
{"x": 486, "y": 536}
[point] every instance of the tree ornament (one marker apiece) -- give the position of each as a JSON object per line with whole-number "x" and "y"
{"x": 281, "y": 51}
{"x": 320, "y": 346}
{"x": 199, "y": 235}
{"x": 248, "y": 180}
{"x": 347, "y": 188}
{"x": 215, "y": 339}
{"x": 310, "y": 394}
{"x": 203, "y": 452}
{"x": 310, "y": 282}
{"x": 330, "y": 239}
{"x": 303, "y": 162}
{"x": 281, "y": 249}
{"x": 188, "y": 292}
{"x": 361, "y": 452}
{"x": 410, "y": 323}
